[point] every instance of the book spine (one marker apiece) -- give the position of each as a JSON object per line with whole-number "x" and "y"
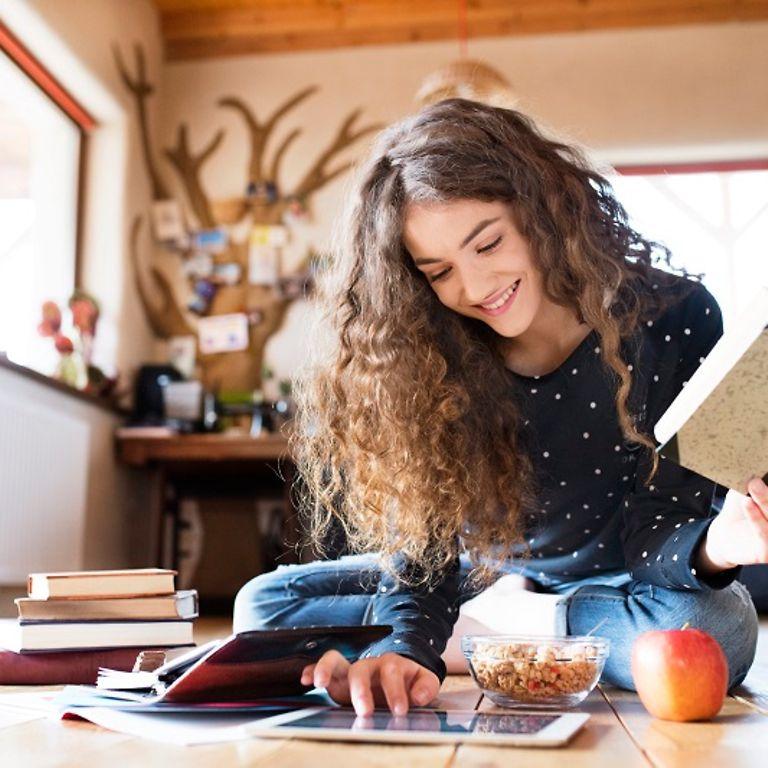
{"x": 90, "y": 622}
{"x": 62, "y": 667}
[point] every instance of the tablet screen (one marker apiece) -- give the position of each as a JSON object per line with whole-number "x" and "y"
{"x": 430, "y": 721}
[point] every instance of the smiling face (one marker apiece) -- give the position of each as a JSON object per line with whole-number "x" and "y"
{"x": 476, "y": 261}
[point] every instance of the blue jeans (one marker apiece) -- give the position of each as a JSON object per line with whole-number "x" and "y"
{"x": 339, "y": 591}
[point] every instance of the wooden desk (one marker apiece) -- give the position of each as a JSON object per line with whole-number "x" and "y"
{"x": 196, "y": 465}
{"x": 141, "y": 451}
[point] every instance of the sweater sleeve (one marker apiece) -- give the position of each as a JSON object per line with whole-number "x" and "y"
{"x": 422, "y": 617}
{"x": 665, "y": 524}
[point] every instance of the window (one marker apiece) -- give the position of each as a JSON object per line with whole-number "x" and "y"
{"x": 42, "y": 136}
{"x": 714, "y": 220}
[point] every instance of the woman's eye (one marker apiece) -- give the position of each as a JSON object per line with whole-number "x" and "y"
{"x": 438, "y": 276}
{"x": 491, "y": 246}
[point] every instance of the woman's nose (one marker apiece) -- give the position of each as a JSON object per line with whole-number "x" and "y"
{"x": 477, "y": 285}
{"x": 478, "y": 291}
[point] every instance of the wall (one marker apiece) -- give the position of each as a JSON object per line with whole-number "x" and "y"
{"x": 114, "y": 524}
{"x": 677, "y": 93}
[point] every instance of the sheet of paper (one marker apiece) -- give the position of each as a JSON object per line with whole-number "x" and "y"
{"x": 182, "y": 729}
{"x": 16, "y": 708}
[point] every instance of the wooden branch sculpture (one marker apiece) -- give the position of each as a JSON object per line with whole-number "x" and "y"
{"x": 167, "y": 319}
{"x": 264, "y": 304}
{"x": 188, "y": 167}
{"x": 141, "y": 90}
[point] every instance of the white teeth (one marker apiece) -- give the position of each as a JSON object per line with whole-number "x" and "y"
{"x": 502, "y": 299}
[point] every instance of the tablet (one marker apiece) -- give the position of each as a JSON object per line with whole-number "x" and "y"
{"x": 424, "y": 726}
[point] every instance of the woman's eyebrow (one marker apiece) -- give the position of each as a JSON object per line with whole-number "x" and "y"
{"x": 476, "y": 230}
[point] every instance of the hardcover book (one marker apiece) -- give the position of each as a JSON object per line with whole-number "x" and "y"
{"x": 27, "y": 637}
{"x": 136, "y": 582}
{"x": 62, "y": 667}
{"x": 181, "y": 605}
{"x": 717, "y": 426}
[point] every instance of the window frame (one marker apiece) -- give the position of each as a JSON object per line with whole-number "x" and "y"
{"x": 83, "y": 121}
{"x": 692, "y": 168}
{"x": 714, "y": 166}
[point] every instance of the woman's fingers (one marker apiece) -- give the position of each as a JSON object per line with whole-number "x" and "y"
{"x": 757, "y": 519}
{"x": 392, "y": 672}
{"x": 360, "y": 692}
{"x": 758, "y": 490}
{"x": 308, "y": 674}
{"x": 390, "y": 679}
{"x": 424, "y": 687}
{"x": 332, "y": 665}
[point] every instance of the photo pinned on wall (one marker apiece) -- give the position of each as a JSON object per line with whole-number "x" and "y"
{"x": 182, "y": 351}
{"x": 168, "y": 222}
{"x": 227, "y": 274}
{"x": 223, "y": 333}
{"x": 198, "y": 266}
{"x": 204, "y": 291}
{"x": 211, "y": 240}
{"x": 264, "y": 250}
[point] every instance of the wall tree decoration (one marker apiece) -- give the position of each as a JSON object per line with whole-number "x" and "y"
{"x": 265, "y": 203}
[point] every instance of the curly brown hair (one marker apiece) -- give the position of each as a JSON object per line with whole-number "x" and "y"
{"x": 406, "y": 433}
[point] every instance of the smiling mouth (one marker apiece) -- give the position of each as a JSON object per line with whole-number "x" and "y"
{"x": 501, "y": 304}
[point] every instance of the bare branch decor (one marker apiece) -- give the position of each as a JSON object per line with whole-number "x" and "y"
{"x": 229, "y": 285}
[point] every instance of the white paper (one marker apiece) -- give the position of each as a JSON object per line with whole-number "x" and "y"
{"x": 16, "y": 708}
{"x": 171, "y": 728}
{"x": 262, "y": 264}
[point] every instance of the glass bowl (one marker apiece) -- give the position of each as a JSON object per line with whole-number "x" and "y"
{"x": 529, "y": 671}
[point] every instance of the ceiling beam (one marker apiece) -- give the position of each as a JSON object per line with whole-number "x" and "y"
{"x": 195, "y": 29}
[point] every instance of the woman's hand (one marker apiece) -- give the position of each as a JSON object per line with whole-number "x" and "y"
{"x": 388, "y": 680}
{"x": 739, "y": 534}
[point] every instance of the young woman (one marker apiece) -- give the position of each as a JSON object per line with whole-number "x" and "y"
{"x": 496, "y": 349}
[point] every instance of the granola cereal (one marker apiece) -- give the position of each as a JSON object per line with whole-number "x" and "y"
{"x": 528, "y": 673}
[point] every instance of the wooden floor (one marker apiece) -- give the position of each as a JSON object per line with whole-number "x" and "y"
{"x": 619, "y": 733}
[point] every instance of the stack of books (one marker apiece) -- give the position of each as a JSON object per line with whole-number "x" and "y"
{"x": 72, "y": 623}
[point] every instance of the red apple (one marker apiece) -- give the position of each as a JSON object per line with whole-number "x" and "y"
{"x": 680, "y": 674}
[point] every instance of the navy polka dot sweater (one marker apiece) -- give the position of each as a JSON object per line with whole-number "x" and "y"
{"x": 593, "y": 514}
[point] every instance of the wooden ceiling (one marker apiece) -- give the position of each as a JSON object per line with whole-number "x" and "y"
{"x": 194, "y": 29}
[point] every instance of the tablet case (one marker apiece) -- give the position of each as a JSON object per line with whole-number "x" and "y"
{"x": 262, "y": 663}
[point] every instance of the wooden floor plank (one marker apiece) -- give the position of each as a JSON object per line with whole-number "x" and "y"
{"x": 301, "y": 754}
{"x": 737, "y": 737}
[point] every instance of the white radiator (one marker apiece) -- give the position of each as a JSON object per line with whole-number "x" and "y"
{"x": 43, "y": 473}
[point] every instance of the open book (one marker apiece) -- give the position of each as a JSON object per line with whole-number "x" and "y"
{"x": 717, "y": 426}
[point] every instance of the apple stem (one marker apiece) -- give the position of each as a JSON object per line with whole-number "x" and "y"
{"x": 686, "y": 625}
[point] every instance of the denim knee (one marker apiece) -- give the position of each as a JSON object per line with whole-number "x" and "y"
{"x": 727, "y": 614}
{"x": 307, "y": 594}
{"x": 255, "y": 595}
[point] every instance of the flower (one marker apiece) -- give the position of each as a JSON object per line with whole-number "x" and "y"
{"x": 51, "y": 323}
{"x": 63, "y": 344}
{"x": 85, "y": 312}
